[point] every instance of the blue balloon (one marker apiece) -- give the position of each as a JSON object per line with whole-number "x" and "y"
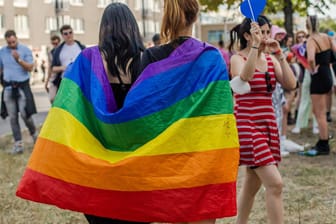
{"x": 252, "y": 8}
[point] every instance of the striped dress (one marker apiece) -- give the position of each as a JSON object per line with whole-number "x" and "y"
{"x": 256, "y": 122}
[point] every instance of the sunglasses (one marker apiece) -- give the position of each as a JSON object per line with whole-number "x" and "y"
{"x": 54, "y": 43}
{"x": 67, "y": 33}
{"x": 301, "y": 36}
{"x": 268, "y": 82}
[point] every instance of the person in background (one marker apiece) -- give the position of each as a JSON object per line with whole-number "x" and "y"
{"x": 278, "y": 34}
{"x": 49, "y": 85}
{"x": 16, "y": 62}
{"x": 43, "y": 69}
{"x": 319, "y": 50}
{"x": 34, "y": 73}
{"x": 156, "y": 39}
{"x": 225, "y": 53}
{"x": 303, "y": 99}
{"x": 65, "y": 54}
{"x": 256, "y": 121}
{"x": 283, "y": 98}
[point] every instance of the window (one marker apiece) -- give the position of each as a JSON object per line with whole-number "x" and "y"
{"x": 148, "y": 4}
{"x": 64, "y": 20}
{"x": 62, "y": 5}
{"x": 103, "y": 3}
{"x": 2, "y": 2}
{"x": 215, "y": 35}
{"x": 51, "y": 24}
{"x": 20, "y": 3}
{"x": 77, "y": 25}
{"x": 21, "y": 26}
{"x": 77, "y": 2}
{"x": 2, "y": 25}
{"x": 150, "y": 26}
{"x": 121, "y": 1}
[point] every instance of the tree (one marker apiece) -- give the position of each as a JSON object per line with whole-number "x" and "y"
{"x": 288, "y": 7}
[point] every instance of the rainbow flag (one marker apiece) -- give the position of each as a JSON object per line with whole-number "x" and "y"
{"x": 170, "y": 154}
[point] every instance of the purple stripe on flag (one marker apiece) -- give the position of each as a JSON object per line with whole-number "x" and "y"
{"x": 93, "y": 54}
{"x": 190, "y": 50}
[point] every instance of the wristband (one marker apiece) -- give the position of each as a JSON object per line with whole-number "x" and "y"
{"x": 255, "y": 47}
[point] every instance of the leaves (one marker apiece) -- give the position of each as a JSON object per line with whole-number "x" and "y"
{"x": 273, "y": 6}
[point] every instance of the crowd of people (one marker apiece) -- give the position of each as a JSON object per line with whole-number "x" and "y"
{"x": 276, "y": 79}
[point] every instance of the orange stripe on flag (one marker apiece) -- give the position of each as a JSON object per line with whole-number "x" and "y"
{"x": 143, "y": 173}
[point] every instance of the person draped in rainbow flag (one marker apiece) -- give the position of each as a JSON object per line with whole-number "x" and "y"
{"x": 169, "y": 154}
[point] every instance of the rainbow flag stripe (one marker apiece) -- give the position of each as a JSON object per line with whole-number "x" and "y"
{"x": 169, "y": 155}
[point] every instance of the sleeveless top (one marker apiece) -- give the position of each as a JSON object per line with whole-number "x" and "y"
{"x": 256, "y": 121}
{"x": 321, "y": 82}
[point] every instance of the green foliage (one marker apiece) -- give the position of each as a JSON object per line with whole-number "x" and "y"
{"x": 273, "y": 6}
{"x": 327, "y": 24}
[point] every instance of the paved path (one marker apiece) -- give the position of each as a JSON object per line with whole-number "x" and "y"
{"x": 42, "y": 104}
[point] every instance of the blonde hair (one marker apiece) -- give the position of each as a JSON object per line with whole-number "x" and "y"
{"x": 177, "y": 15}
{"x": 298, "y": 33}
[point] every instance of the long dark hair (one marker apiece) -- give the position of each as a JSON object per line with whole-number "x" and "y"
{"x": 237, "y": 32}
{"x": 120, "y": 40}
{"x": 313, "y": 23}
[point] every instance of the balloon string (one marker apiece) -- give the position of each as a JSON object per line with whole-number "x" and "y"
{"x": 249, "y": 3}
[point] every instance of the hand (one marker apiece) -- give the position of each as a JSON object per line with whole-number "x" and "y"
{"x": 15, "y": 55}
{"x": 255, "y": 34}
{"x": 273, "y": 46}
{"x": 46, "y": 86}
{"x": 313, "y": 72}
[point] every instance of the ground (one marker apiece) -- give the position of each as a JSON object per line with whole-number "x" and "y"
{"x": 309, "y": 191}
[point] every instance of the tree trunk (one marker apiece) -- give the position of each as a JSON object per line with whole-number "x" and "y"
{"x": 288, "y": 13}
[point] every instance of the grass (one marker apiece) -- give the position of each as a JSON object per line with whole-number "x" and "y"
{"x": 309, "y": 192}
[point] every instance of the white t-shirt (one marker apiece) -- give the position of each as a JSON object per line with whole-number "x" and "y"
{"x": 69, "y": 53}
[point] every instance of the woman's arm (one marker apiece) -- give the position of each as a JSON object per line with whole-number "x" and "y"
{"x": 284, "y": 74}
{"x": 311, "y": 50}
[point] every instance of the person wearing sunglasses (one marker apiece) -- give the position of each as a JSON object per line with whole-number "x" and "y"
{"x": 50, "y": 87}
{"x": 256, "y": 121}
{"x": 65, "y": 54}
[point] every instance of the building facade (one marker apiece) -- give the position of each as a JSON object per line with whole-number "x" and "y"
{"x": 35, "y": 20}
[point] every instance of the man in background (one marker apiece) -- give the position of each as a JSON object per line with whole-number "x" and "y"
{"x": 49, "y": 85}
{"x": 156, "y": 39}
{"x": 65, "y": 54}
{"x": 16, "y": 62}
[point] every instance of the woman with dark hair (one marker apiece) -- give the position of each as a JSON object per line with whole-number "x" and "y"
{"x": 120, "y": 47}
{"x": 319, "y": 50}
{"x": 256, "y": 121}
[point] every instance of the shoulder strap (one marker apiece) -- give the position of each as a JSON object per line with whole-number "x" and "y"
{"x": 317, "y": 43}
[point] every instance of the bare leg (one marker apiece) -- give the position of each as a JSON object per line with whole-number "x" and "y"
{"x": 271, "y": 179}
{"x": 319, "y": 103}
{"x": 250, "y": 187}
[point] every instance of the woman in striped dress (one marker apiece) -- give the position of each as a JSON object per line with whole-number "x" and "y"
{"x": 256, "y": 121}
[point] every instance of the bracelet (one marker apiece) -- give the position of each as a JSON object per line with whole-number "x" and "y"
{"x": 254, "y": 47}
{"x": 277, "y": 52}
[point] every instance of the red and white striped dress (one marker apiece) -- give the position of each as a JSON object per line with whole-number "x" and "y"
{"x": 256, "y": 122}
